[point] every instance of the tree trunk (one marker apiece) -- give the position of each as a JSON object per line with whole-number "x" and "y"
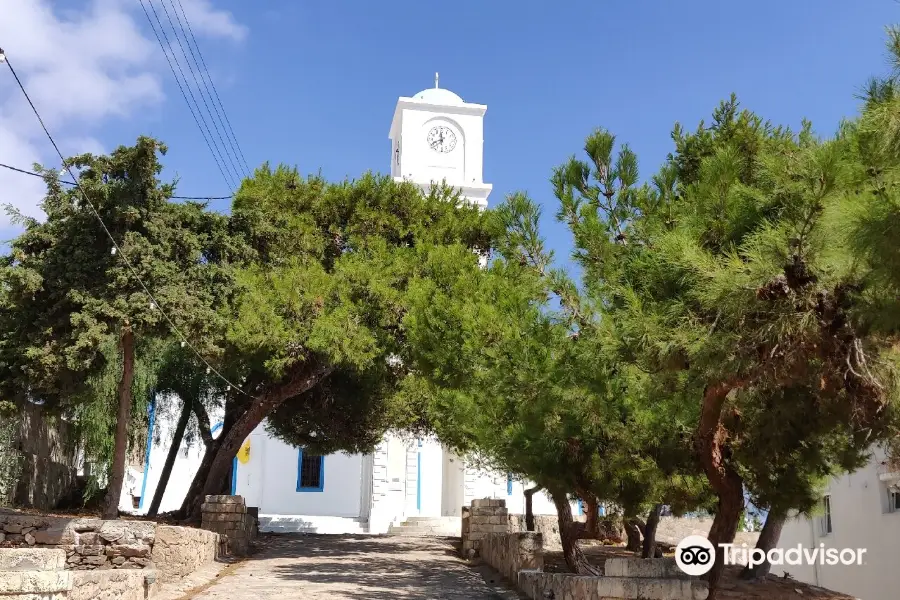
{"x": 529, "y": 510}
{"x": 233, "y": 412}
{"x": 711, "y": 446}
{"x": 650, "y": 532}
{"x": 768, "y": 539}
{"x": 634, "y": 535}
{"x": 575, "y": 558}
{"x": 123, "y": 417}
{"x": 203, "y": 423}
{"x": 200, "y": 478}
{"x": 592, "y": 525}
{"x": 170, "y": 458}
{"x": 230, "y": 441}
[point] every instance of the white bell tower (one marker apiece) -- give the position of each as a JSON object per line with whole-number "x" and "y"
{"x": 436, "y": 136}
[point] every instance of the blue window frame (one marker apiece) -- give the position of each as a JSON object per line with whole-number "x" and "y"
{"x": 310, "y": 472}
{"x": 509, "y": 484}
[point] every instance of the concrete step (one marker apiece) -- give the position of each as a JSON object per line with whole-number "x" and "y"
{"x": 435, "y": 521}
{"x": 415, "y": 530}
{"x": 311, "y": 524}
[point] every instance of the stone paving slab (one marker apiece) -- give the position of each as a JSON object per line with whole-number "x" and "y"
{"x": 354, "y": 567}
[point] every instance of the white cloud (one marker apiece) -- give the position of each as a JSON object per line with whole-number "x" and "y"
{"x": 95, "y": 61}
{"x": 208, "y": 21}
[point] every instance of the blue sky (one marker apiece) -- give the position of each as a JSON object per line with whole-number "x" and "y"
{"x": 314, "y": 83}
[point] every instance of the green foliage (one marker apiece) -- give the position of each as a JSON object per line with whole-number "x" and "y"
{"x": 325, "y": 283}
{"x": 68, "y": 297}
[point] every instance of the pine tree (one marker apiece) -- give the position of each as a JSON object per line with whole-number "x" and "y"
{"x": 73, "y": 306}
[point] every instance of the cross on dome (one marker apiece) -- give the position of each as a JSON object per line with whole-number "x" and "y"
{"x": 438, "y": 95}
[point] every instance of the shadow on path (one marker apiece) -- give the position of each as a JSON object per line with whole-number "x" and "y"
{"x": 358, "y": 567}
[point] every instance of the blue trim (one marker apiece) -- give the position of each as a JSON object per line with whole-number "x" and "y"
{"x": 321, "y": 486}
{"x": 602, "y": 510}
{"x": 419, "y": 480}
{"x": 580, "y": 508}
{"x": 509, "y": 484}
{"x": 234, "y": 465}
{"x": 215, "y": 428}
{"x": 151, "y": 416}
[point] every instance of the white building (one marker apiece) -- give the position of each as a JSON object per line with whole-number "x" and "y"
{"x": 435, "y": 136}
{"x": 860, "y": 510}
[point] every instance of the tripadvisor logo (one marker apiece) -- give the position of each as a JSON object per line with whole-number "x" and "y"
{"x": 695, "y": 555}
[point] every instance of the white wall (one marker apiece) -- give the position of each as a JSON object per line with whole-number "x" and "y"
{"x": 431, "y": 472}
{"x": 143, "y": 483}
{"x": 859, "y": 520}
{"x": 278, "y": 493}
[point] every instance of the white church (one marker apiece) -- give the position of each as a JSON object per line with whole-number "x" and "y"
{"x": 435, "y": 136}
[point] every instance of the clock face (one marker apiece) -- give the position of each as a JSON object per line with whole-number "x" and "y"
{"x": 441, "y": 139}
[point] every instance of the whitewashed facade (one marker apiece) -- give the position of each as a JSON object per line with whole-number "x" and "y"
{"x": 860, "y": 510}
{"x": 435, "y": 136}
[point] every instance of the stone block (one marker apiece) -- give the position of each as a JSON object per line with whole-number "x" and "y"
{"x": 32, "y": 559}
{"x": 230, "y": 517}
{"x": 113, "y": 584}
{"x": 223, "y": 508}
{"x": 128, "y": 550}
{"x": 55, "y": 535}
{"x": 647, "y": 568}
{"x": 96, "y": 561}
{"x": 87, "y": 524}
{"x": 648, "y": 589}
{"x": 92, "y": 550}
{"x": 34, "y": 582}
{"x": 225, "y": 500}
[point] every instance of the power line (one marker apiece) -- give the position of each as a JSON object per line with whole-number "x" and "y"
{"x": 217, "y": 103}
{"x": 228, "y": 182}
{"x": 63, "y": 181}
{"x": 118, "y": 250}
{"x": 223, "y": 149}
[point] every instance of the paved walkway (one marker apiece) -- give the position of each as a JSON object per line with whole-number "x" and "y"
{"x": 335, "y": 567}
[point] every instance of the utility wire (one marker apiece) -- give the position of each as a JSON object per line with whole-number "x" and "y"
{"x": 228, "y": 182}
{"x": 229, "y": 130}
{"x": 63, "y": 181}
{"x": 227, "y": 158}
{"x": 118, "y": 249}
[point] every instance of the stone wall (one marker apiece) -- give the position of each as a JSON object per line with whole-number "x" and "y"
{"x": 31, "y": 574}
{"x": 38, "y": 455}
{"x": 538, "y": 586}
{"x": 509, "y": 553}
{"x": 672, "y": 530}
{"x": 95, "y": 544}
{"x": 519, "y": 558}
{"x": 484, "y": 517}
{"x": 179, "y": 551}
{"x": 113, "y": 585}
{"x": 88, "y": 543}
{"x": 41, "y": 574}
{"x": 228, "y": 516}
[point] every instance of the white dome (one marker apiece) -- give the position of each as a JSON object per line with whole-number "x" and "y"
{"x": 438, "y": 96}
